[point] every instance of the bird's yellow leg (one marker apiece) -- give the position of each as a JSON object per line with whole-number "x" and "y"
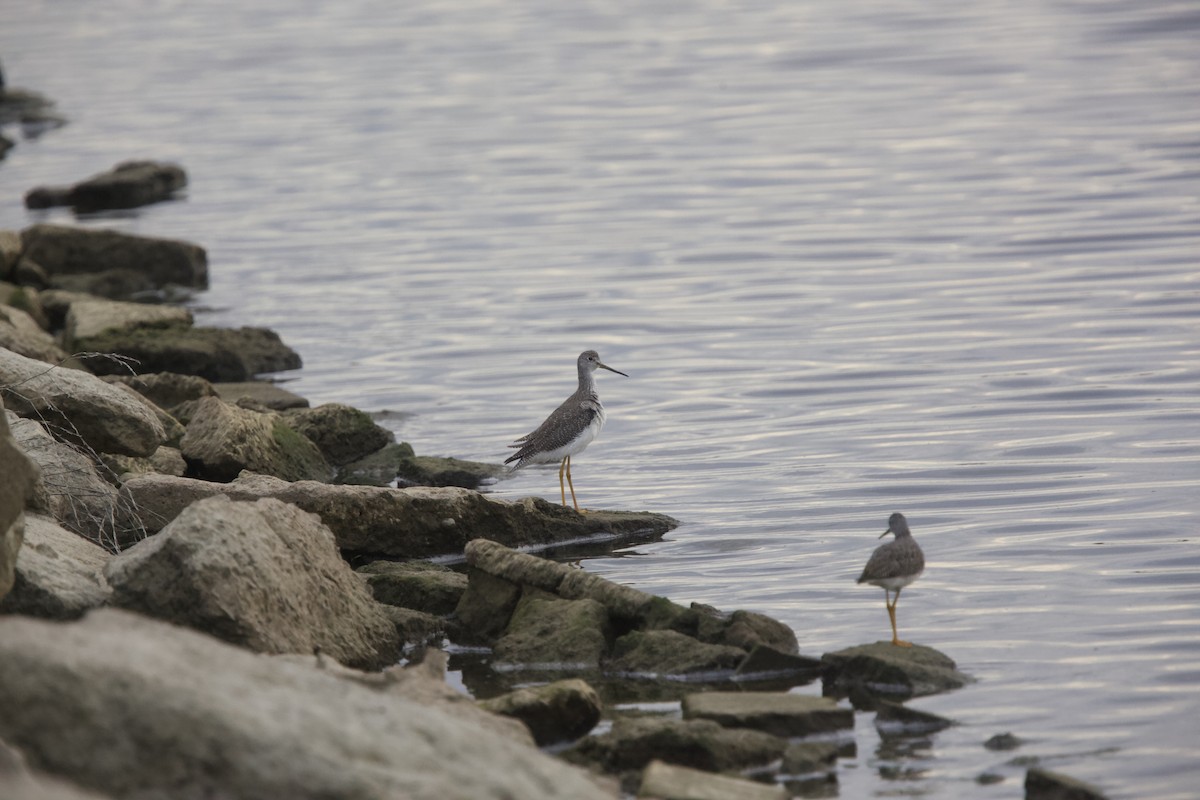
{"x": 572, "y": 485}
{"x": 896, "y": 640}
{"x": 561, "y": 488}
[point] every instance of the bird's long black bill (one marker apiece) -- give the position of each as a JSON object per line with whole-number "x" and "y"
{"x": 610, "y": 369}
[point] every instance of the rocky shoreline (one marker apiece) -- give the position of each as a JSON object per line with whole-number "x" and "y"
{"x": 209, "y": 588}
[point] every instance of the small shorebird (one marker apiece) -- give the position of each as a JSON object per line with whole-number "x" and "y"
{"x": 569, "y": 429}
{"x": 895, "y": 565}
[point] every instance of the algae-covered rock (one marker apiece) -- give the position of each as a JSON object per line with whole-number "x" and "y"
{"x": 419, "y": 585}
{"x": 222, "y": 440}
{"x": 377, "y": 469}
{"x": 885, "y": 669}
{"x": 437, "y": 471}
{"x": 342, "y": 433}
{"x": 547, "y": 632}
{"x": 669, "y": 654}
{"x": 554, "y": 712}
{"x": 634, "y": 741}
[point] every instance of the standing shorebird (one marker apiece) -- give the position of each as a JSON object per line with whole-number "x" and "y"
{"x": 569, "y": 430}
{"x": 895, "y": 565}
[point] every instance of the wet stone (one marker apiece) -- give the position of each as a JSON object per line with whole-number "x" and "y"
{"x": 670, "y": 782}
{"x": 890, "y": 671}
{"x": 1042, "y": 784}
{"x": 893, "y": 718}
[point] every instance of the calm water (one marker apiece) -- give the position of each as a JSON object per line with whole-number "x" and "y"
{"x": 934, "y": 257}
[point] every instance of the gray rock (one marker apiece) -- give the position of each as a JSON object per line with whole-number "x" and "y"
{"x": 59, "y": 574}
{"x": 168, "y": 390}
{"x": 139, "y": 262}
{"x": 1042, "y": 784}
{"x": 198, "y": 718}
{"x": 885, "y": 669}
{"x": 1003, "y": 741}
{"x": 127, "y": 185}
{"x": 342, "y": 433}
{"x": 89, "y": 317}
{"x": 635, "y": 741}
{"x": 436, "y": 471}
{"x": 171, "y": 427}
{"x": 804, "y": 758}
{"x": 407, "y": 523}
{"x": 744, "y": 629}
{"x": 665, "y": 654}
{"x": 215, "y": 354}
{"x": 18, "y": 782}
{"x": 70, "y": 488}
{"x": 547, "y": 632}
{"x": 265, "y": 575}
{"x": 669, "y": 782}
{"x": 263, "y": 393}
{"x": 20, "y": 333}
{"x": 778, "y": 713}
{"x": 19, "y": 474}
{"x": 23, "y": 298}
{"x": 79, "y": 407}
{"x": 10, "y": 251}
{"x": 222, "y": 440}
{"x": 554, "y": 712}
{"x": 419, "y": 585}
{"x": 164, "y": 461}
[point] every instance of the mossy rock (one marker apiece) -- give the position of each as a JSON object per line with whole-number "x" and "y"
{"x": 216, "y": 354}
{"x": 437, "y": 471}
{"x": 419, "y": 585}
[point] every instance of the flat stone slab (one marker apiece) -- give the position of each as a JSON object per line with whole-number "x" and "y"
{"x": 777, "y": 713}
{"x": 1043, "y": 784}
{"x": 895, "y": 719}
{"x": 884, "y": 669}
{"x": 669, "y": 782}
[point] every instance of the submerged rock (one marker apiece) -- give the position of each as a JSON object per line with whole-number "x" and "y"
{"x": 200, "y": 718}
{"x": 893, "y": 718}
{"x": 778, "y": 713}
{"x": 804, "y": 758}
{"x": 1042, "y": 784}
{"x": 885, "y": 669}
{"x": 555, "y": 712}
{"x": 127, "y": 185}
{"x": 670, "y": 782}
{"x": 264, "y": 575}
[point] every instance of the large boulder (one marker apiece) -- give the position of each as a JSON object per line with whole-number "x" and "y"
{"x": 78, "y": 407}
{"x": 59, "y": 575}
{"x": 19, "y": 475}
{"x": 407, "y": 523}
{"x": 222, "y": 440}
{"x": 215, "y": 354}
{"x": 74, "y": 258}
{"x": 138, "y": 708}
{"x": 264, "y": 575}
{"x": 127, "y": 185}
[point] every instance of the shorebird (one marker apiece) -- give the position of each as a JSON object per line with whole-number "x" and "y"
{"x": 569, "y": 429}
{"x": 893, "y": 566}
